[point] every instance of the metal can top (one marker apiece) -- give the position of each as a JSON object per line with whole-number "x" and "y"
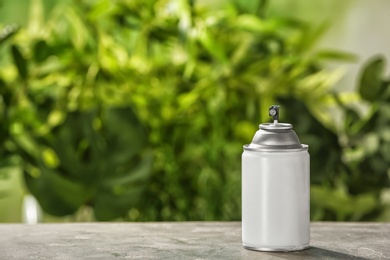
{"x": 275, "y": 137}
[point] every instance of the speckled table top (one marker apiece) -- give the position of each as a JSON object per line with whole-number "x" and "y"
{"x": 182, "y": 240}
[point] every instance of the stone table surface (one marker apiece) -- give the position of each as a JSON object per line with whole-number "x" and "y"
{"x": 183, "y": 240}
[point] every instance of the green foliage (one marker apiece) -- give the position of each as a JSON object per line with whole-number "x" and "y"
{"x": 359, "y": 187}
{"x": 139, "y": 109}
{"x": 8, "y": 32}
{"x": 371, "y": 80}
{"x": 5, "y": 99}
{"x": 76, "y": 148}
{"x": 367, "y": 146}
{"x": 20, "y": 62}
{"x": 93, "y": 158}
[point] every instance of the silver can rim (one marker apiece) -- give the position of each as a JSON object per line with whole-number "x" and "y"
{"x": 277, "y": 249}
{"x": 246, "y": 147}
{"x": 276, "y": 127}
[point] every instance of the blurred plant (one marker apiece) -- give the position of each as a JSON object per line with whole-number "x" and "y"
{"x": 199, "y": 80}
{"x": 77, "y": 149}
{"x": 5, "y": 99}
{"x": 366, "y": 140}
{"x": 93, "y": 158}
{"x": 357, "y": 186}
{"x": 207, "y": 90}
{"x": 6, "y": 158}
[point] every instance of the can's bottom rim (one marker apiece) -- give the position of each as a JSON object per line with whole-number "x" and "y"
{"x": 276, "y": 249}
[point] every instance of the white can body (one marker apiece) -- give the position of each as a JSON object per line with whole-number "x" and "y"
{"x": 276, "y": 200}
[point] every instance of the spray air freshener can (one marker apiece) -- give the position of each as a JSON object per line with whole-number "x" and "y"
{"x": 275, "y": 189}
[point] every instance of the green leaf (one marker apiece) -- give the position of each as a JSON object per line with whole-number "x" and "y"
{"x": 5, "y": 93}
{"x": 79, "y": 154}
{"x": 250, "y": 23}
{"x": 351, "y": 118}
{"x": 7, "y": 32}
{"x": 337, "y": 55}
{"x": 56, "y": 194}
{"x": 99, "y": 9}
{"x": 78, "y": 148}
{"x": 212, "y": 46}
{"x": 117, "y": 195}
{"x": 20, "y": 62}
{"x": 123, "y": 132}
{"x": 311, "y": 37}
{"x": 41, "y": 51}
{"x": 384, "y": 91}
{"x": 341, "y": 202}
{"x": 257, "y": 25}
{"x": 371, "y": 78}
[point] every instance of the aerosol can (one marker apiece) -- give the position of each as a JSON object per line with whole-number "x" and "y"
{"x": 275, "y": 189}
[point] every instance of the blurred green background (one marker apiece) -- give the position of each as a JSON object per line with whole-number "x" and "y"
{"x": 138, "y": 110}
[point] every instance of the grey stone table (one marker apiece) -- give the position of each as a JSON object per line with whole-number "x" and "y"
{"x": 182, "y": 240}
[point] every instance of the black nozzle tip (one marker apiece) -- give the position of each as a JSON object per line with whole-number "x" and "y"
{"x": 274, "y": 112}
